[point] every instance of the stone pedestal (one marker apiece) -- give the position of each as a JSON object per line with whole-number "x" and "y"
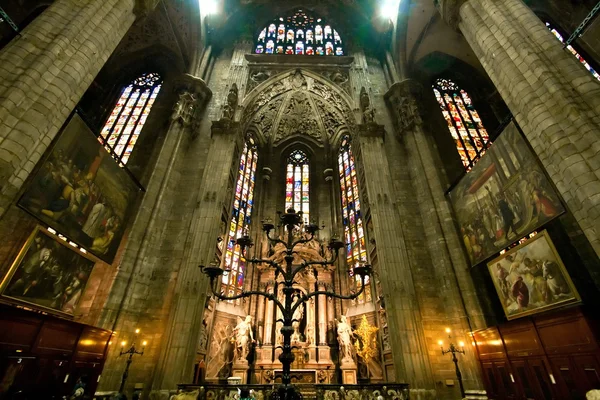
{"x": 240, "y": 370}
{"x": 348, "y": 372}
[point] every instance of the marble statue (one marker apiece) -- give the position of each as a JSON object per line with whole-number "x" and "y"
{"x": 243, "y": 338}
{"x": 296, "y": 320}
{"x": 344, "y": 331}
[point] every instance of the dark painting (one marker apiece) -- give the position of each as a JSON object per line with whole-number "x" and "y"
{"x": 80, "y": 191}
{"x": 48, "y": 273}
{"x": 503, "y": 198}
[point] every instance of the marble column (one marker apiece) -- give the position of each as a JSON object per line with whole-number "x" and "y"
{"x": 322, "y": 300}
{"x": 45, "y": 71}
{"x": 177, "y": 359}
{"x": 461, "y": 306}
{"x": 555, "y": 100}
{"x": 269, "y": 319}
{"x": 127, "y": 306}
{"x": 409, "y": 351}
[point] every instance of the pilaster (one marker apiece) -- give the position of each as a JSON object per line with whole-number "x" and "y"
{"x": 181, "y": 337}
{"x": 461, "y": 308}
{"x": 404, "y": 317}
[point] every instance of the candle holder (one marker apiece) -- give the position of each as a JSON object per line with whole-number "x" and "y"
{"x": 131, "y": 351}
{"x": 453, "y": 350}
{"x": 288, "y": 270}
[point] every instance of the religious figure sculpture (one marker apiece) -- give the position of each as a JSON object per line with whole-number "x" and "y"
{"x": 243, "y": 338}
{"x": 297, "y": 318}
{"x": 344, "y": 331}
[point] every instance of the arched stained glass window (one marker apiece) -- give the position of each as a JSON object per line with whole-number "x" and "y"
{"x": 587, "y": 65}
{"x": 354, "y": 230}
{"x": 297, "y": 184}
{"x": 232, "y": 281}
{"x": 300, "y": 33}
{"x": 463, "y": 121}
{"x": 123, "y": 127}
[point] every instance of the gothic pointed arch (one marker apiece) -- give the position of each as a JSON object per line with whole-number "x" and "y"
{"x": 297, "y": 103}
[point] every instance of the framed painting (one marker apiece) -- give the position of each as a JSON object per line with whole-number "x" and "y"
{"x": 48, "y": 274}
{"x": 531, "y": 278}
{"x": 80, "y": 191}
{"x": 503, "y": 198}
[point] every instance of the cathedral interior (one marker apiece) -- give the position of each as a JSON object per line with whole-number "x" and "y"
{"x": 449, "y": 148}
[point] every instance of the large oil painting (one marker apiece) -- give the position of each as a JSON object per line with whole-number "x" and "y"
{"x": 531, "y": 278}
{"x": 503, "y": 198}
{"x": 48, "y": 273}
{"x": 80, "y": 191}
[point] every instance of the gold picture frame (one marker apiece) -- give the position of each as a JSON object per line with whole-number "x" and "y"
{"x": 48, "y": 274}
{"x": 531, "y": 278}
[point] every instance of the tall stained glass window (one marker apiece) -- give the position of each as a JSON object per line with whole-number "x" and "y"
{"x": 300, "y": 33}
{"x": 232, "y": 281}
{"x": 296, "y": 184}
{"x": 463, "y": 121}
{"x": 354, "y": 230}
{"x": 121, "y": 131}
{"x": 573, "y": 51}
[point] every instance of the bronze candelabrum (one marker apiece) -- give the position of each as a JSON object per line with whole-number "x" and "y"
{"x": 453, "y": 349}
{"x": 131, "y": 352}
{"x": 291, "y": 220}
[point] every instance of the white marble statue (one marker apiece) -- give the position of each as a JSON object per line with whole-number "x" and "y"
{"x": 344, "y": 331}
{"x": 243, "y": 338}
{"x": 296, "y": 319}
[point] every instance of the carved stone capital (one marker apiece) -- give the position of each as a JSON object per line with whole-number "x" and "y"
{"x": 193, "y": 97}
{"x": 403, "y": 102}
{"x": 328, "y": 174}
{"x": 144, "y": 7}
{"x": 450, "y": 11}
{"x": 371, "y": 130}
{"x": 225, "y": 127}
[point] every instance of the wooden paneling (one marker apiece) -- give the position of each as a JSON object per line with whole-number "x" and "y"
{"x": 489, "y": 344}
{"x": 92, "y": 344}
{"x": 17, "y": 332}
{"x": 58, "y": 338}
{"x": 565, "y": 334}
{"x": 521, "y": 340}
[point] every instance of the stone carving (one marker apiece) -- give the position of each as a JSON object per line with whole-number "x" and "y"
{"x": 366, "y": 108}
{"x": 345, "y": 334}
{"x": 257, "y": 77}
{"x": 218, "y": 363}
{"x": 243, "y": 338}
{"x": 296, "y": 320}
{"x": 265, "y": 117}
{"x": 185, "y": 108}
{"x": 402, "y": 101}
{"x": 336, "y": 101}
{"x": 299, "y": 81}
{"x": 298, "y": 118}
{"x": 231, "y": 103}
{"x": 268, "y": 376}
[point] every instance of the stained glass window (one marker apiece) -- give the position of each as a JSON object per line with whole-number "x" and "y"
{"x": 123, "y": 127}
{"x": 463, "y": 121}
{"x": 354, "y": 230}
{"x": 296, "y": 184}
{"x": 232, "y": 281}
{"x": 573, "y": 51}
{"x": 300, "y": 33}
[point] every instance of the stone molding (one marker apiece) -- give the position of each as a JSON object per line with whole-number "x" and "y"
{"x": 403, "y": 102}
{"x": 449, "y": 9}
{"x": 194, "y": 94}
{"x": 224, "y": 127}
{"x": 371, "y": 130}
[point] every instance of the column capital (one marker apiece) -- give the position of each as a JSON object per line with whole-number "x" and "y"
{"x": 449, "y": 10}
{"x": 402, "y": 100}
{"x": 194, "y": 94}
{"x": 371, "y": 130}
{"x": 225, "y": 127}
{"x": 144, "y": 7}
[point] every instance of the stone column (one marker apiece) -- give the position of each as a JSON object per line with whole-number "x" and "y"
{"x": 555, "y": 100}
{"x": 260, "y": 315}
{"x": 409, "y": 351}
{"x": 269, "y": 319}
{"x": 450, "y": 266}
{"x": 322, "y": 316}
{"x": 126, "y": 305}
{"x": 177, "y": 358}
{"x": 45, "y": 71}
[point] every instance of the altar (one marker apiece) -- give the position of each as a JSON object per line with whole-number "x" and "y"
{"x": 299, "y": 376}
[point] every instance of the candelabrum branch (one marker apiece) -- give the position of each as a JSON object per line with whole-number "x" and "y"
{"x": 306, "y": 297}
{"x": 269, "y": 296}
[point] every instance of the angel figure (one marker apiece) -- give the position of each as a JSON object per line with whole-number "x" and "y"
{"x": 345, "y": 334}
{"x": 243, "y": 337}
{"x": 296, "y": 319}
